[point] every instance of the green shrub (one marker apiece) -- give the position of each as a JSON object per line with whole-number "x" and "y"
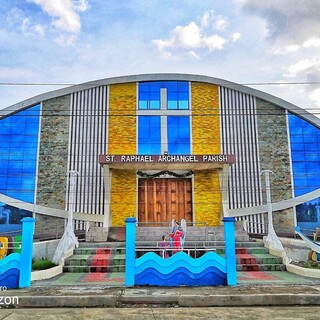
{"x": 42, "y": 264}
{"x": 312, "y": 264}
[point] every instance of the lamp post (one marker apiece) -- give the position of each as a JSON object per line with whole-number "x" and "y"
{"x": 272, "y": 239}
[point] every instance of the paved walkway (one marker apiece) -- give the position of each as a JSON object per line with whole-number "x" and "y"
{"x": 116, "y": 279}
{"x": 151, "y": 313}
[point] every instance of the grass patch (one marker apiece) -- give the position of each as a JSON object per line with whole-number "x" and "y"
{"x": 42, "y": 264}
{"x": 310, "y": 264}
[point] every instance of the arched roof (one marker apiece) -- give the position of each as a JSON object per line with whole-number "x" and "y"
{"x": 162, "y": 77}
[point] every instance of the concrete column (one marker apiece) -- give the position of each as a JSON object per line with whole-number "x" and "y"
{"x": 130, "y": 251}
{"x": 108, "y": 185}
{"x": 224, "y": 181}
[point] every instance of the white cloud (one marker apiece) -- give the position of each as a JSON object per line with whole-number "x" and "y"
{"x": 64, "y": 13}
{"x": 66, "y": 40}
{"x": 205, "y": 19}
{"x": 196, "y": 36}
{"x": 301, "y": 67}
{"x": 29, "y": 29}
{"x": 315, "y": 97}
{"x": 313, "y": 42}
{"x": 221, "y": 23}
{"x": 214, "y": 42}
{"x": 16, "y": 19}
{"x": 236, "y": 36}
{"x": 188, "y": 36}
{"x": 306, "y": 71}
{"x": 289, "y": 22}
{"x": 192, "y": 54}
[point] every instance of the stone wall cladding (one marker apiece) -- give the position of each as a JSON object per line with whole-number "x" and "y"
{"x": 53, "y": 156}
{"x": 274, "y": 156}
{"x": 122, "y": 140}
{"x": 206, "y": 140}
{"x": 123, "y": 196}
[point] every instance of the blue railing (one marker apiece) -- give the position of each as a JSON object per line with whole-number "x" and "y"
{"x": 181, "y": 269}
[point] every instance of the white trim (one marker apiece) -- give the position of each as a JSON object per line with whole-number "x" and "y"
{"x": 276, "y": 206}
{"x": 47, "y": 211}
{"x": 291, "y": 167}
{"x": 37, "y": 164}
{"x": 162, "y": 77}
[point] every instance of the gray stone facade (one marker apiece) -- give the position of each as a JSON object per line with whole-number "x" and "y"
{"x": 53, "y": 157}
{"x": 275, "y": 156}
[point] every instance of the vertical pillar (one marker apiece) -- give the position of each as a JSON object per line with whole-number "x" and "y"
{"x": 26, "y": 252}
{"x": 107, "y": 183}
{"x": 130, "y": 251}
{"x": 224, "y": 181}
{"x": 230, "y": 244}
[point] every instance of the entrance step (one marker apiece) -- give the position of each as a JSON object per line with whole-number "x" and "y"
{"x": 102, "y": 260}
{"x": 152, "y": 235}
{"x": 97, "y": 234}
{"x": 117, "y": 234}
{"x": 251, "y": 255}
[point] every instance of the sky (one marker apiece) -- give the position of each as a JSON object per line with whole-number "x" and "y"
{"x": 275, "y": 43}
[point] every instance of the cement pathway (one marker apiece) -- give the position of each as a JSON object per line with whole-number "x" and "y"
{"x": 116, "y": 279}
{"x": 150, "y": 313}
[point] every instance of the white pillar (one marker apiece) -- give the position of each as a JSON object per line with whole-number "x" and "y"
{"x": 107, "y": 183}
{"x": 223, "y": 181}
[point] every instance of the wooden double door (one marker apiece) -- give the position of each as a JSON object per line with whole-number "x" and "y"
{"x": 160, "y": 200}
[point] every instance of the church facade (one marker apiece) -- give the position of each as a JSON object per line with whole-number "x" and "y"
{"x": 158, "y": 147}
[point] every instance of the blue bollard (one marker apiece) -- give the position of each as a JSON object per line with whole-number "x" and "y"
{"x": 26, "y": 252}
{"x": 130, "y": 251}
{"x": 230, "y": 243}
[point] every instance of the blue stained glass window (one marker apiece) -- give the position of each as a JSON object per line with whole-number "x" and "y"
{"x": 149, "y": 135}
{"x": 18, "y": 153}
{"x": 178, "y": 134}
{"x": 305, "y": 153}
{"x": 177, "y": 95}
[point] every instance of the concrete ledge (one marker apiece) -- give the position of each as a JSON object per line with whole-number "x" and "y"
{"x": 68, "y": 301}
{"x": 249, "y": 300}
{"x": 92, "y": 296}
{"x": 51, "y": 272}
{"x": 306, "y": 272}
{"x": 46, "y": 274}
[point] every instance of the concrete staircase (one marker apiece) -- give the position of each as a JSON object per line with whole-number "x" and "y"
{"x": 93, "y": 257}
{"x": 109, "y": 257}
{"x": 251, "y": 254}
{"x": 105, "y": 259}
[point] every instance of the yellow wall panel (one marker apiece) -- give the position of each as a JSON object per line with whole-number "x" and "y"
{"x": 122, "y": 119}
{"x": 123, "y": 196}
{"x": 207, "y": 197}
{"x": 205, "y": 118}
{"x": 206, "y": 140}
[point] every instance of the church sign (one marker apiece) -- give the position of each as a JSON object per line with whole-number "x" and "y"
{"x": 167, "y": 159}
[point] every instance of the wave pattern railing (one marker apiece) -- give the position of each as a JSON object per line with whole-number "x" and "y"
{"x": 15, "y": 269}
{"x": 181, "y": 269}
